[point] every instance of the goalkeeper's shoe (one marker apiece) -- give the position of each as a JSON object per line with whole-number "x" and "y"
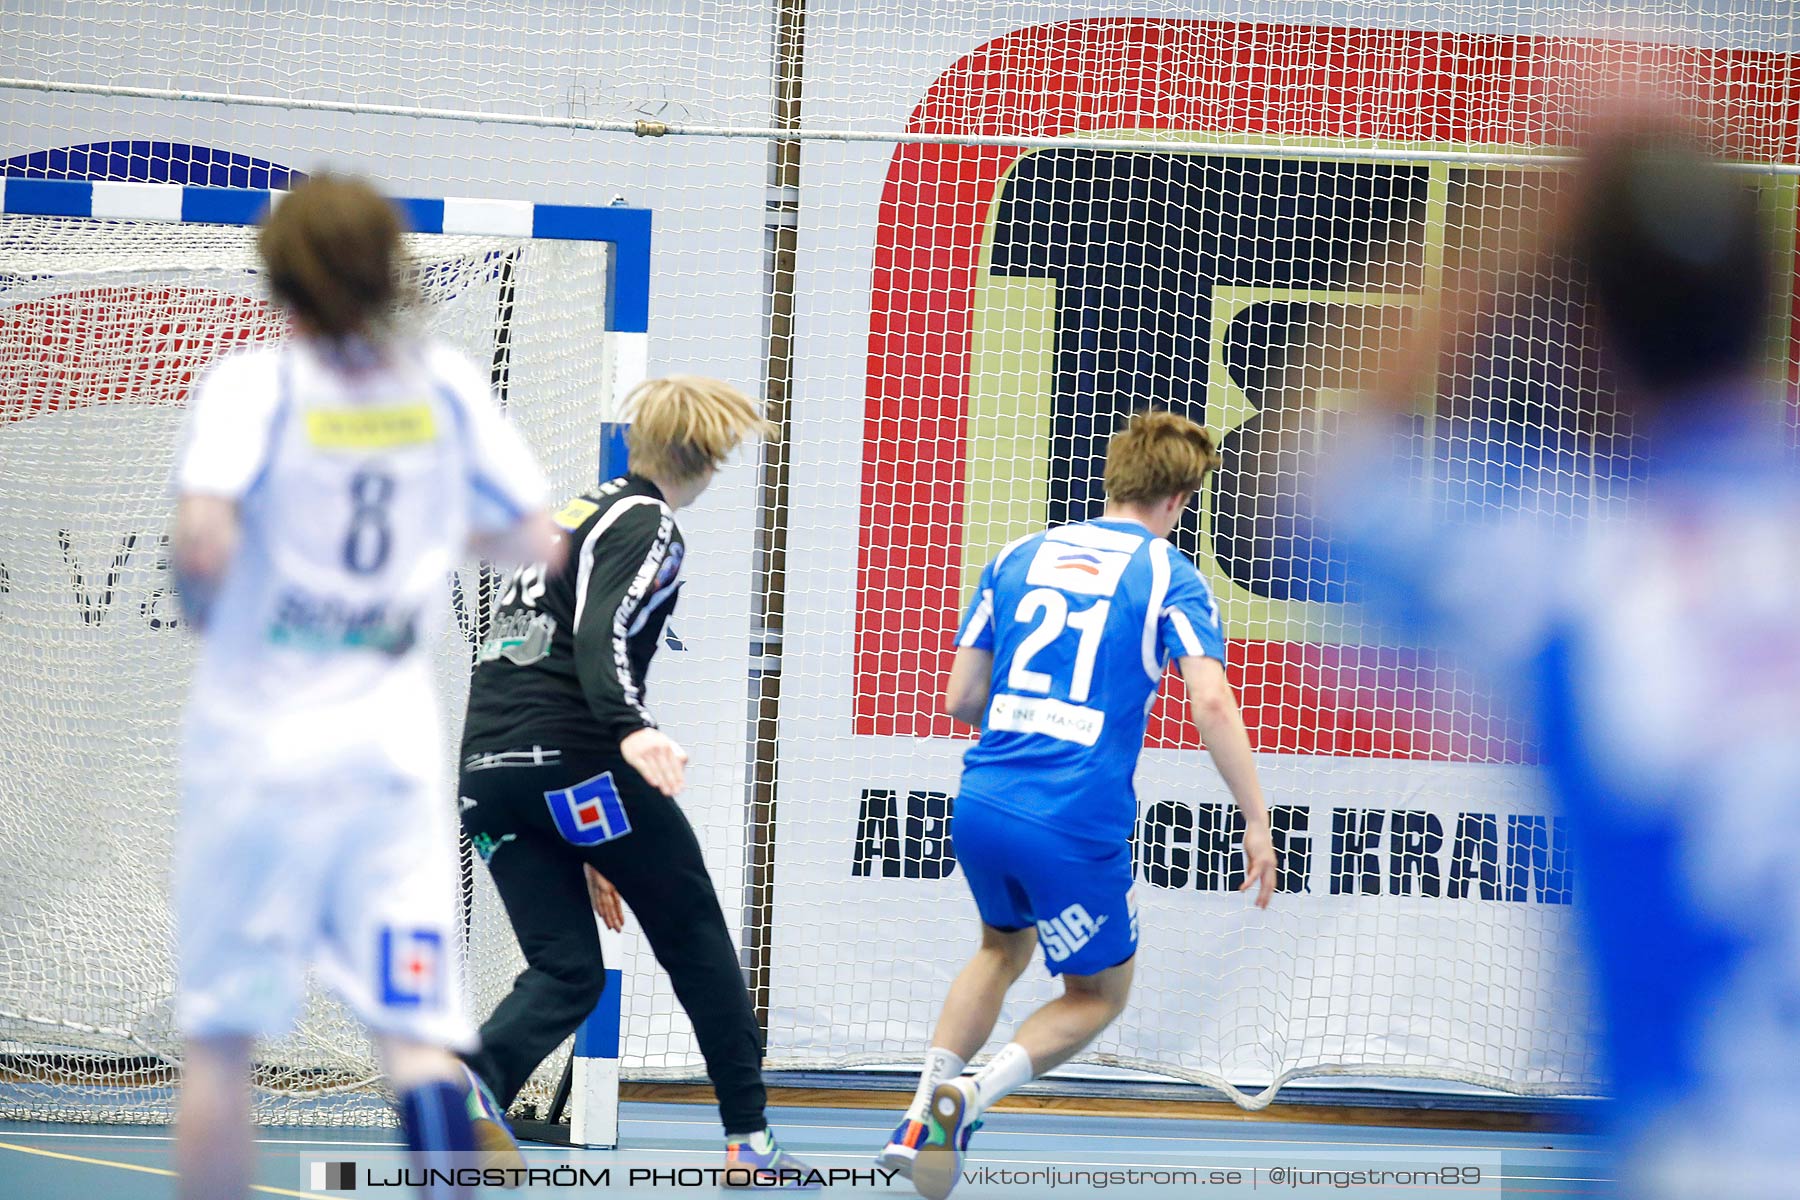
{"x": 493, "y": 1136}
{"x": 903, "y": 1146}
{"x": 756, "y": 1163}
{"x": 951, "y": 1121}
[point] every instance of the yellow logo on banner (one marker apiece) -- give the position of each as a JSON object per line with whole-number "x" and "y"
{"x": 572, "y": 514}
{"x": 370, "y": 428}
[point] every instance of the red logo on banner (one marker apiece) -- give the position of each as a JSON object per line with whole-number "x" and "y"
{"x": 111, "y": 345}
{"x": 1248, "y": 81}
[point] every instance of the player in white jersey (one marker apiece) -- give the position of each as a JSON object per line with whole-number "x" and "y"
{"x": 327, "y": 486}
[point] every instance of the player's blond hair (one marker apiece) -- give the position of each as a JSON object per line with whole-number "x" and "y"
{"x": 1156, "y": 456}
{"x": 685, "y": 424}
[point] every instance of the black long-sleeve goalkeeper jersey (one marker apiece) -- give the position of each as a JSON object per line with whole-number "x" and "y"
{"x": 563, "y": 664}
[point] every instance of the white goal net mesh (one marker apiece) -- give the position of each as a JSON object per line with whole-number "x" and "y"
{"x": 1006, "y": 226}
{"x": 104, "y": 325}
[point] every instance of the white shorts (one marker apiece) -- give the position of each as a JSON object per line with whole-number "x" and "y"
{"x": 352, "y": 874}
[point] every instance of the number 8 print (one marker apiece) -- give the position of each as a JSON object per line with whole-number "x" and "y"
{"x": 367, "y": 544}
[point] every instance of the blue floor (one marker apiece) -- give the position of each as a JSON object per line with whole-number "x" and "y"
{"x": 93, "y": 1162}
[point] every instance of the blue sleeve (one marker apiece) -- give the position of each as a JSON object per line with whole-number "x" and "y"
{"x": 977, "y": 630}
{"x": 1189, "y": 622}
{"x": 1452, "y": 576}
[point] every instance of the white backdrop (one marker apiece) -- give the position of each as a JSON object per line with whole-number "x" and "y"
{"x": 1378, "y": 982}
{"x": 706, "y": 317}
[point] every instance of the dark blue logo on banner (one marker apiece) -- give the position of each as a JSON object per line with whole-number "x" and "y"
{"x": 140, "y": 161}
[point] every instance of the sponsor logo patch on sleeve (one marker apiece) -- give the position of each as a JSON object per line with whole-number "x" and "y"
{"x": 571, "y": 515}
{"x": 671, "y": 566}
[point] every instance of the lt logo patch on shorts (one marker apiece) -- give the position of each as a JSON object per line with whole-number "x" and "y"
{"x": 412, "y": 968}
{"x": 590, "y": 812}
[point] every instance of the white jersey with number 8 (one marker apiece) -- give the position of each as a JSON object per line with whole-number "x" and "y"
{"x": 316, "y": 828}
{"x": 357, "y": 491}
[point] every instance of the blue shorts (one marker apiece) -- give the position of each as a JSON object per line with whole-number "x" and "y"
{"x": 1077, "y": 893}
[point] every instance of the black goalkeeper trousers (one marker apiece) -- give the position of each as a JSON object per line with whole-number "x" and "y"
{"x": 535, "y": 822}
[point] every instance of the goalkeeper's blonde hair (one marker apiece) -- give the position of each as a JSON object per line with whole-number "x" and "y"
{"x": 683, "y": 425}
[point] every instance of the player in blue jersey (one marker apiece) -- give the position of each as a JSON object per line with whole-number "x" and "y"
{"x": 1654, "y": 647}
{"x": 1058, "y": 661}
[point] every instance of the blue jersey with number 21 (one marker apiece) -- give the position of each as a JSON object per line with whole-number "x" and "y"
{"x": 1081, "y": 620}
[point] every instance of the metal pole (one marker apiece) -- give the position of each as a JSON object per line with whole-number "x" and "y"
{"x": 781, "y": 210}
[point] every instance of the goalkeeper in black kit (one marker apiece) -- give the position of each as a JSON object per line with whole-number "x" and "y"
{"x": 564, "y": 769}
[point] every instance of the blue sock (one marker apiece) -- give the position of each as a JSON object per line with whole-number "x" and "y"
{"x": 435, "y": 1119}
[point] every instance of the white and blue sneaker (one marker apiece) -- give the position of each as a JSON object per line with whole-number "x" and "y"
{"x": 903, "y": 1146}
{"x": 937, "y": 1165}
{"x": 493, "y": 1136}
{"x": 758, "y": 1163}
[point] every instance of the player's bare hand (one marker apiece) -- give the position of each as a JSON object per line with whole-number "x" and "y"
{"x": 605, "y": 898}
{"x": 658, "y": 757}
{"x": 1259, "y": 864}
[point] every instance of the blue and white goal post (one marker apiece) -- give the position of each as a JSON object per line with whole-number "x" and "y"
{"x": 592, "y": 405}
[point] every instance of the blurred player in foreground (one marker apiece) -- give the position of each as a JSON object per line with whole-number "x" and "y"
{"x": 1656, "y": 653}
{"x": 327, "y": 486}
{"x": 566, "y": 775}
{"x": 1061, "y": 652}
